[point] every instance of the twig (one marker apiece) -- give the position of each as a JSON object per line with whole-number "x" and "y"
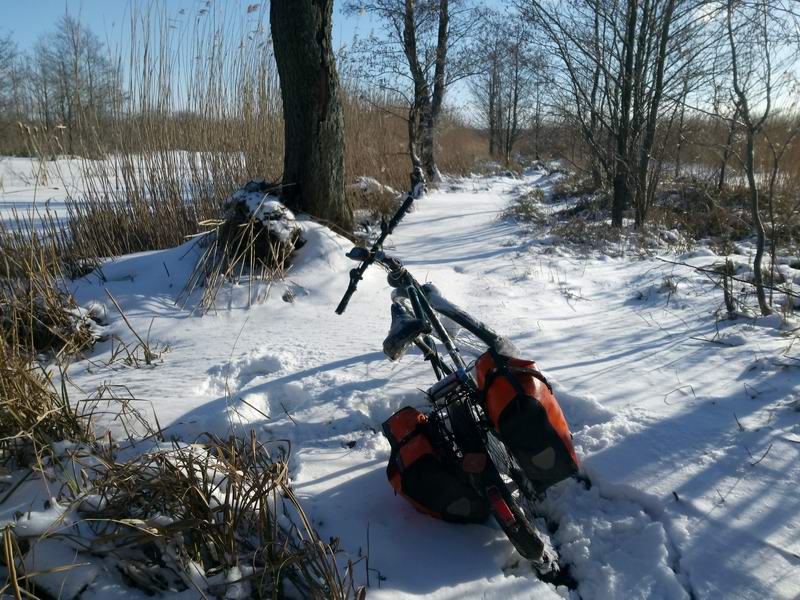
{"x": 738, "y": 423}
{"x": 668, "y": 394}
{"x": 148, "y": 355}
{"x": 739, "y": 279}
{"x": 291, "y": 418}
{"x": 711, "y": 341}
{"x": 763, "y": 456}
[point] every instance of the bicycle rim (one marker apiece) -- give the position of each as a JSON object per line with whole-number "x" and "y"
{"x": 493, "y": 482}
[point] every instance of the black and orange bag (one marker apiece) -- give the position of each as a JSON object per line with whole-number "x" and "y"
{"x": 421, "y": 471}
{"x": 520, "y": 404}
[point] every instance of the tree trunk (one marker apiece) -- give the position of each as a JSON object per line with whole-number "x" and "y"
{"x": 413, "y": 127}
{"x": 431, "y": 117}
{"x": 420, "y": 109}
{"x": 753, "y": 127}
{"x": 313, "y": 164}
{"x": 726, "y": 153}
{"x": 643, "y": 200}
{"x": 758, "y": 225}
{"x": 681, "y": 121}
{"x": 427, "y": 125}
{"x": 622, "y": 167}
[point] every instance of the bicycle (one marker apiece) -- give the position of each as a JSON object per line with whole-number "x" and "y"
{"x": 457, "y": 411}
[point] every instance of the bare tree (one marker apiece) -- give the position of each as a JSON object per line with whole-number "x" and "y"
{"x": 71, "y": 80}
{"x": 620, "y": 72}
{"x": 485, "y": 85}
{"x": 761, "y": 43}
{"x": 9, "y": 60}
{"x": 506, "y": 88}
{"x": 421, "y": 53}
{"x": 313, "y": 171}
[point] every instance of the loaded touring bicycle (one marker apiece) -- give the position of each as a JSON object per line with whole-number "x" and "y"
{"x": 495, "y": 437}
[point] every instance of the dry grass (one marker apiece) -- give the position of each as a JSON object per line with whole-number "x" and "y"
{"x": 699, "y": 210}
{"x": 222, "y": 508}
{"x": 217, "y": 515}
{"x": 525, "y": 208}
{"x": 37, "y": 315}
{"x": 254, "y": 241}
{"x": 33, "y": 413}
{"x": 201, "y": 115}
{"x": 40, "y": 318}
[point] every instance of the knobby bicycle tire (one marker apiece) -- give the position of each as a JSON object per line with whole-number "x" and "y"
{"x": 469, "y": 437}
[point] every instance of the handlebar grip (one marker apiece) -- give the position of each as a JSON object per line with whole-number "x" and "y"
{"x": 345, "y": 300}
{"x": 355, "y": 277}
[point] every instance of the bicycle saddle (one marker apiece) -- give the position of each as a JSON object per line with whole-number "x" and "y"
{"x": 402, "y": 332}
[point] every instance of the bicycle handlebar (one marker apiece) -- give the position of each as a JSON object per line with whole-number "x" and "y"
{"x": 357, "y": 274}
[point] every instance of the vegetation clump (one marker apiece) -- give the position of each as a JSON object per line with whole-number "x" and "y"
{"x": 34, "y": 415}
{"x": 255, "y": 239}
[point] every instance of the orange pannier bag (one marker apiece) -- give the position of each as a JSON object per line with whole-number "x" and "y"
{"x": 421, "y": 471}
{"x": 523, "y": 410}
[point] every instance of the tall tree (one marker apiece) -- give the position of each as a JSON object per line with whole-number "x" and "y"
{"x": 621, "y": 75}
{"x": 422, "y": 53}
{"x": 69, "y": 81}
{"x": 313, "y": 164}
{"x": 762, "y": 45}
{"x": 507, "y": 87}
{"x": 9, "y": 63}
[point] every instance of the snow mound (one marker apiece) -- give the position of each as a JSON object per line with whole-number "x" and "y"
{"x": 582, "y": 410}
{"x": 370, "y": 185}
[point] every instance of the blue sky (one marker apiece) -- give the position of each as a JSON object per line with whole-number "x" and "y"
{"x": 29, "y": 19}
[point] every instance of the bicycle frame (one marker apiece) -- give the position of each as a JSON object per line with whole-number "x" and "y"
{"x": 456, "y": 391}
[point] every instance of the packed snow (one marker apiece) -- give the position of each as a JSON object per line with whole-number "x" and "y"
{"x": 688, "y": 425}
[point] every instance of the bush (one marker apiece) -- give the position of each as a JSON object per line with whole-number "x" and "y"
{"x": 573, "y": 185}
{"x": 698, "y": 209}
{"x": 526, "y": 207}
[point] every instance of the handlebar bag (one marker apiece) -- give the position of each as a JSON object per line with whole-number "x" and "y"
{"x": 419, "y": 471}
{"x": 527, "y": 417}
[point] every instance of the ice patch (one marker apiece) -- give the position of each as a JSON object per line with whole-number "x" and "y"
{"x": 63, "y": 574}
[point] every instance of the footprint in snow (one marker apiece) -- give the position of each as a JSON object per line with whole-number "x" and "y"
{"x": 613, "y": 546}
{"x": 229, "y": 377}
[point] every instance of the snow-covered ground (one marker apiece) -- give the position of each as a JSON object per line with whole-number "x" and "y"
{"x": 28, "y": 185}
{"x": 688, "y": 426}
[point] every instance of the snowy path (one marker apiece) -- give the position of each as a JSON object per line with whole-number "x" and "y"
{"x": 677, "y": 510}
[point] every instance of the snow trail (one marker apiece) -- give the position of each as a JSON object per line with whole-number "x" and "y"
{"x": 678, "y": 510}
